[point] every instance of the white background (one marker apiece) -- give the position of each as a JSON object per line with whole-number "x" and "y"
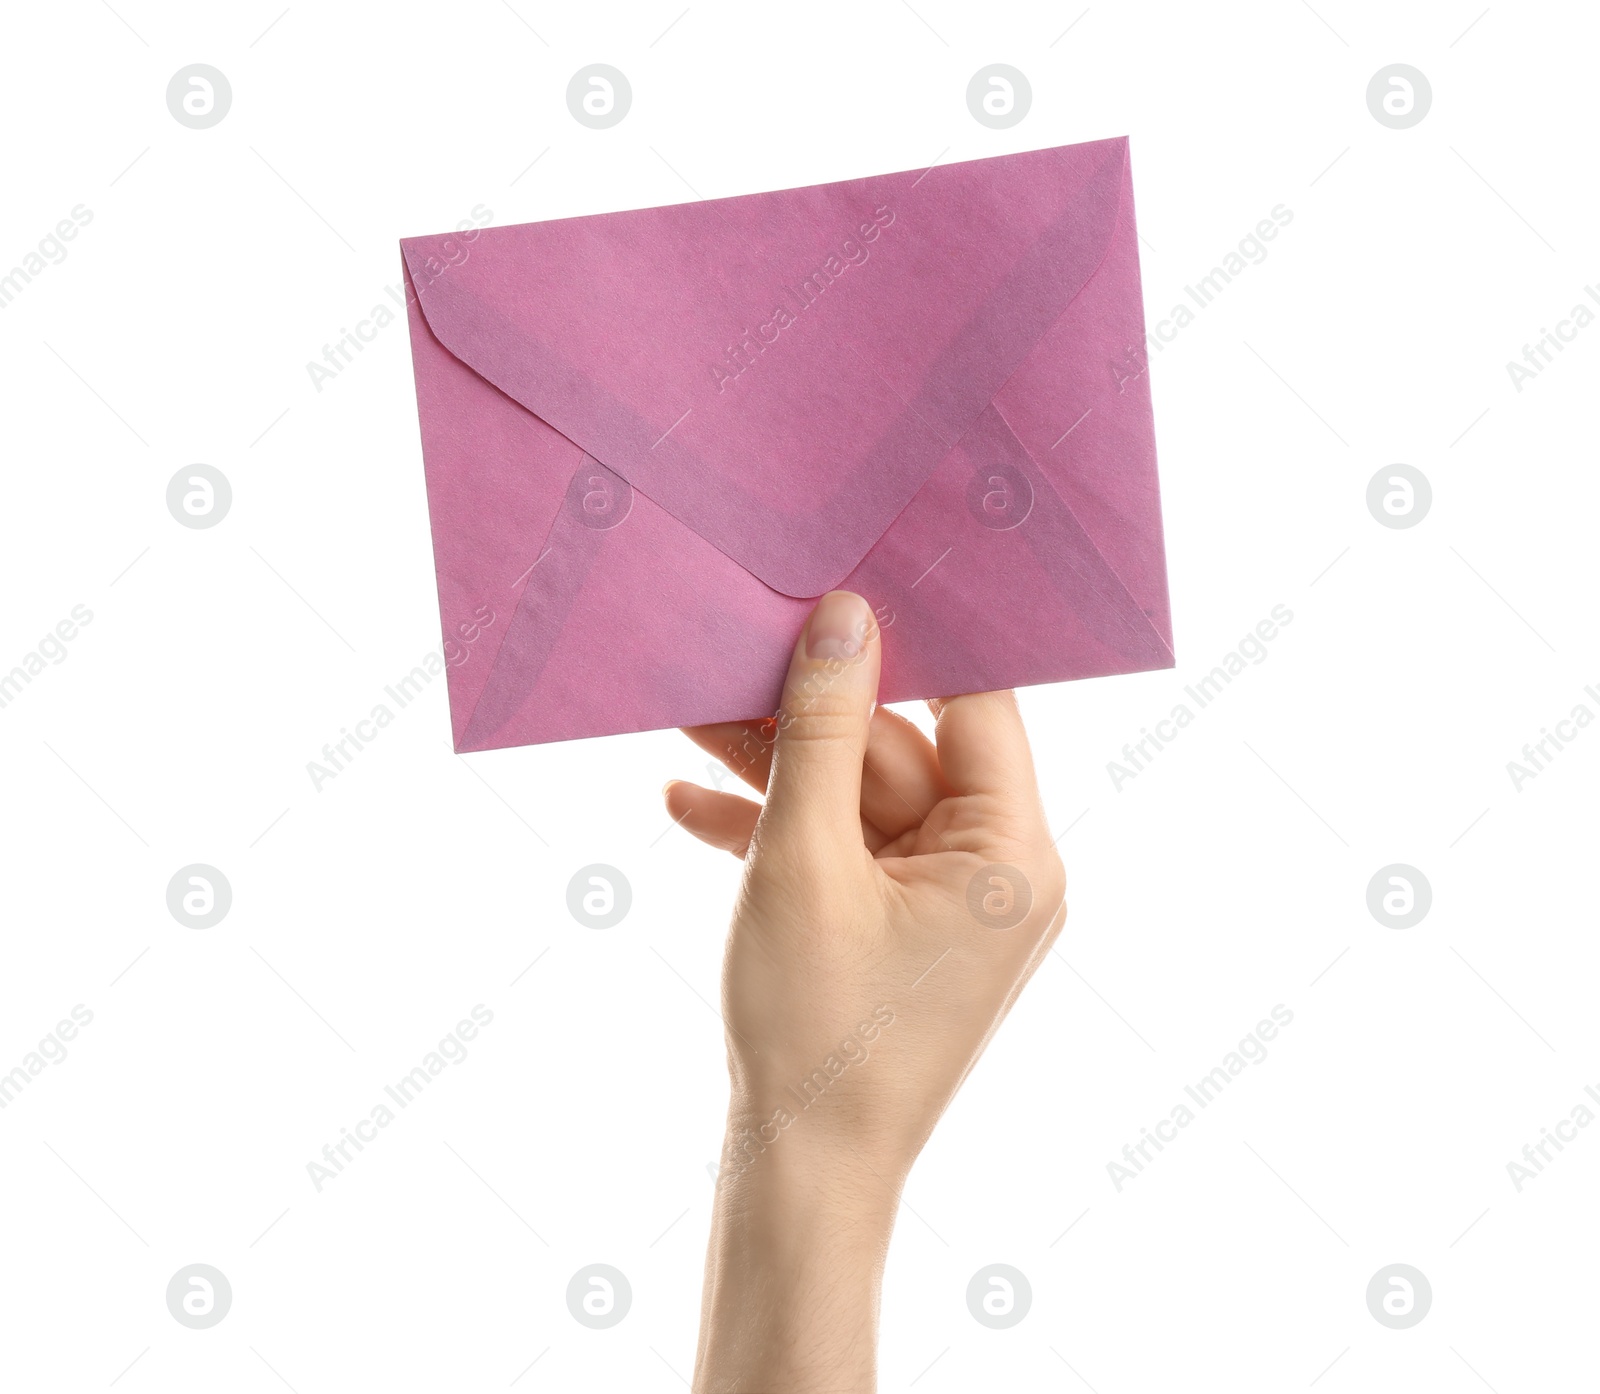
{"x": 1224, "y": 879}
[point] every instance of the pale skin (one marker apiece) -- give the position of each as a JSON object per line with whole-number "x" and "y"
{"x": 855, "y": 961}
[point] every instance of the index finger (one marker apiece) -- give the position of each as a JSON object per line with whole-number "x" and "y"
{"x": 745, "y": 747}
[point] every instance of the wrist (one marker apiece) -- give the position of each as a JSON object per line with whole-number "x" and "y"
{"x": 822, "y": 1158}
{"x": 799, "y": 1238}
{"x": 769, "y": 1170}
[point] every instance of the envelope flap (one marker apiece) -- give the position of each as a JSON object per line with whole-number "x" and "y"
{"x": 781, "y": 371}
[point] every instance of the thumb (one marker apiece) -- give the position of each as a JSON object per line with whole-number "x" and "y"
{"x": 815, "y": 787}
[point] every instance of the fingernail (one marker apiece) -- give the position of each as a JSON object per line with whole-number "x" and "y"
{"x": 839, "y": 626}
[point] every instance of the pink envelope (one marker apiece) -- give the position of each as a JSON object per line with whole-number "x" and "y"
{"x": 652, "y": 438}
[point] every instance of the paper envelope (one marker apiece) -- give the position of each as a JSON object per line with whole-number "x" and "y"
{"x": 652, "y": 438}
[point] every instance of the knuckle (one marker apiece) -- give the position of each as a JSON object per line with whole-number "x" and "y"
{"x": 826, "y": 716}
{"x": 833, "y": 683}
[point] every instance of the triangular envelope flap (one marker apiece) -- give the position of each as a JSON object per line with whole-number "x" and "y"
{"x": 781, "y": 371}
{"x": 496, "y": 475}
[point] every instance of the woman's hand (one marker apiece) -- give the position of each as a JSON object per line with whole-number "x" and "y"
{"x": 897, "y": 895}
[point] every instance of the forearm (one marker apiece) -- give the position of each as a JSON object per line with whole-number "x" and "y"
{"x": 884, "y": 926}
{"x": 798, "y": 1240}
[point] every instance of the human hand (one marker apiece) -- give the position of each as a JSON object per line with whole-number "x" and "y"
{"x": 897, "y": 896}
